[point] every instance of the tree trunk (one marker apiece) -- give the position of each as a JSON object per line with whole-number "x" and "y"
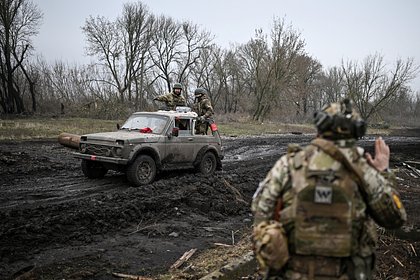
{"x": 32, "y": 91}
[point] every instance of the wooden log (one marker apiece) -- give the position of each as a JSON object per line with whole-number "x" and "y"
{"x": 185, "y": 257}
{"x": 222, "y": 244}
{"x": 236, "y": 269}
{"x": 129, "y": 276}
{"x": 69, "y": 140}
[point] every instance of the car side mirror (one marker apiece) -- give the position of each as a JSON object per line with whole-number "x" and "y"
{"x": 175, "y": 131}
{"x": 118, "y": 126}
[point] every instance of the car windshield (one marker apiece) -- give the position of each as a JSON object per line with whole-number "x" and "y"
{"x": 146, "y": 123}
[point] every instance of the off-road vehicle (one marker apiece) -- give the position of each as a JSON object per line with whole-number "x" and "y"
{"x": 150, "y": 142}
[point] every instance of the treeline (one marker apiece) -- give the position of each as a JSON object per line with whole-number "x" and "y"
{"x": 140, "y": 55}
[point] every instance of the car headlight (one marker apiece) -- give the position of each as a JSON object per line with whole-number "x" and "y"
{"x": 118, "y": 151}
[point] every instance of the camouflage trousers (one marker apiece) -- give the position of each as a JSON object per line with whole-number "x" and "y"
{"x": 201, "y": 128}
{"x": 324, "y": 268}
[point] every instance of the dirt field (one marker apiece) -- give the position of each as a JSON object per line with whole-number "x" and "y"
{"x": 57, "y": 224}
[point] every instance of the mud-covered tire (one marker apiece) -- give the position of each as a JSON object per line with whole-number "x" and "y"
{"x": 92, "y": 169}
{"x": 142, "y": 171}
{"x": 207, "y": 164}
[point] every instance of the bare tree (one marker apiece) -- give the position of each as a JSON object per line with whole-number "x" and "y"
{"x": 203, "y": 73}
{"x": 272, "y": 67}
{"x": 104, "y": 41}
{"x": 233, "y": 83}
{"x": 218, "y": 71}
{"x": 122, "y": 47}
{"x": 303, "y": 84}
{"x": 136, "y": 22}
{"x": 331, "y": 86}
{"x": 62, "y": 85}
{"x": 194, "y": 43}
{"x": 287, "y": 49}
{"x": 164, "y": 51}
{"x": 19, "y": 22}
{"x": 176, "y": 48}
{"x": 372, "y": 87}
{"x": 256, "y": 61}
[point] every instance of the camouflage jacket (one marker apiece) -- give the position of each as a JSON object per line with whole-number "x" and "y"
{"x": 203, "y": 107}
{"x": 172, "y": 100}
{"x": 278, "y": 194}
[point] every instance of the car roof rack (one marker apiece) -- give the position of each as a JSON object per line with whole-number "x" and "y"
{"x": 183, "y": 109}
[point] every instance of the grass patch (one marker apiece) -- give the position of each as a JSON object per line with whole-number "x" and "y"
{"x": 48, "y": 128}
{"x": 378, "y": 131}
{"x": 44, "y": 128}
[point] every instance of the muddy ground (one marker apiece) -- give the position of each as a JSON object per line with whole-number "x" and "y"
{"x": 57, "y": 224}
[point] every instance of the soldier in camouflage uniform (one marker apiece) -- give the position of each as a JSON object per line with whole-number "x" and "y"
{"x": 314, "y": 211}
{"x": 174, "y": 98}
{"x": 202, "y": 106}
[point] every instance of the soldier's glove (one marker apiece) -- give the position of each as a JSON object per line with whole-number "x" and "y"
{"x": 270, "y": 245}
{"x": 155, "y": 99}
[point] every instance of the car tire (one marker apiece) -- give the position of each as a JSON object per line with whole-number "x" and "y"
{"x": 207, "y": 164}
{"x": 142, "y": 171}
{"x": 92, "y": 169}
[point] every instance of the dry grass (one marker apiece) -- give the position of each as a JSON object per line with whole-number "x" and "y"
{"x": 47, "y": 128}
{"x": 44, "y": 128}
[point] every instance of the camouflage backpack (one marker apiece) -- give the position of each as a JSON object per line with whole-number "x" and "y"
{"x": 323, "y": 207}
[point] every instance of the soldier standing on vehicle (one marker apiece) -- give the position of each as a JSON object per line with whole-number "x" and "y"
{"x": 174, "y": 98}
{"x": 202, "y": 106}
{"x": 314, "y": 210}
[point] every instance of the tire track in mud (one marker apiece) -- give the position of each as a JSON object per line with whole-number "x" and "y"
{"x": 50, "y": 211}
{"x": 58, "y": 189}
{"x": 47, "y": 204}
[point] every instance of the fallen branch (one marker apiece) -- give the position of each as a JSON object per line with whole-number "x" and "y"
{"x": 235, "y": 191}
{"x": 413, "y": 162}
{"x": 233, "y": 236}
{"x": 412, "y": 248}
{"x": 383, "y": 242}
{"x": 143, "y": 228}
{"x": 400, "y": 263}
{"x": 213, "y": 228}
{"x": 222, "y": 244}
{"x": 129, "y": 276}
{"x": 415, "y": 170}
{"x": 185, "y": 257}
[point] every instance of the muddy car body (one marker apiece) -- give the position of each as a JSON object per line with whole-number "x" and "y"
{"x": 150, "y": 142}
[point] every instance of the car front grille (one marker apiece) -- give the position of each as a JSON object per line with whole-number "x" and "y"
{"x": 98, "y": 150}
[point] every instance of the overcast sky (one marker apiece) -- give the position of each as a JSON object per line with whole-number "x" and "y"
{"x": 334, "y": 30}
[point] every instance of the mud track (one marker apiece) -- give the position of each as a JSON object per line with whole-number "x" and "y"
{"x": 60, "y": 225}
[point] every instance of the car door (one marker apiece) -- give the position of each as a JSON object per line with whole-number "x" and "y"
{"x": 180, "y": 149}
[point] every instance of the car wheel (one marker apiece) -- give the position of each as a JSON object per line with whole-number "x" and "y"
{"x": 208, "y": 164}
{"x": 92, "y": 169}
{"x": 142, "y": 171}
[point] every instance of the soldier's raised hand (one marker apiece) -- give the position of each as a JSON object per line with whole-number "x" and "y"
{"x": 382, "y": 152}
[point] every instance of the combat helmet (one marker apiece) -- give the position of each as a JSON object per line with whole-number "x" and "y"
{"x": 199, "y": 92}
{"x": 339, "y": 121}
{"x": 177, "y": 86}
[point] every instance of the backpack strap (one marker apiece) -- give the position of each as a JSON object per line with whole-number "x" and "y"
{"x": 330, "y": 149}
